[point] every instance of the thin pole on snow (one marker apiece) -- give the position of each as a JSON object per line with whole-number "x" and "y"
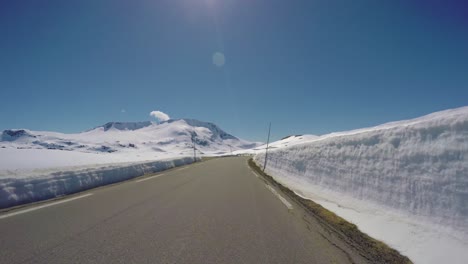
{"x": 194, "y": 150}
{"x": 266, "y": 150}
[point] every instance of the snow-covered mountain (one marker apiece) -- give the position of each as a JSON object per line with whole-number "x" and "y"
{"x": 132, "y": 141}
{"x": 126, "y": 125}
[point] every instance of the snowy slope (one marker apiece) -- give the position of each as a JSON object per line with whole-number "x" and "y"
{"x": 37, "y": 165}
{"x": 412, "y": 175}
{"x": 284, "y": 142}
{"x": 117, "y": 142}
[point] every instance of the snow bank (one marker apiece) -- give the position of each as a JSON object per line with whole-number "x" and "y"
{"x": 417, "y": 169}
{"x": 17, "y": 190}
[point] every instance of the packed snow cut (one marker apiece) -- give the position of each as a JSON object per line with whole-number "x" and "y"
{"x": 416, "y": 170}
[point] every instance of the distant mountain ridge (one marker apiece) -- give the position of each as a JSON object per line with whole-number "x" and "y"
{"x": 125, "y": 125}
{"x": 212, "y": 127}
{"x": 13, "y": 134}
{"x": 216, "y": 130}
{"x": 172, "y": 136}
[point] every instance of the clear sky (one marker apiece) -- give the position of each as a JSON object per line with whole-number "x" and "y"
{"x": 312, "y": 66}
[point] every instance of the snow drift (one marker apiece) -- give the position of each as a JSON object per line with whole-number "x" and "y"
{"x": 405, "y": 182}
{"x": 418, "y": 166}
{"x": 19, "y": 190}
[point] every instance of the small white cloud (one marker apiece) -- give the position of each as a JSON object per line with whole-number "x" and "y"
{"x": 123, "y": 111}
{"x": 160, "y": 116}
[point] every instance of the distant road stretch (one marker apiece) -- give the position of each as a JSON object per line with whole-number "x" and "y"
{"x": 216, "y": 211}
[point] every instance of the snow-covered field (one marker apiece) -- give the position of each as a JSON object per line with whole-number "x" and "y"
{"x": 37, "y": 165}
{"x": 405, "y": 183}
{"x": 20, "y": 161}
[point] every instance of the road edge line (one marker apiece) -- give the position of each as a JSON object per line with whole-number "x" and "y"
{"x": 43, "y": 206}
{"x": 281, "y": 198}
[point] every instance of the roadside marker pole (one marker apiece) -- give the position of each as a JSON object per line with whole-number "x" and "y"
{"x": 266, "y": 150}
{"x": 194, "y": 150}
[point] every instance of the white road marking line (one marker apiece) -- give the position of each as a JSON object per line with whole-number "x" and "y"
{"x": 149, "y": 178}
{"x": 282, "y": 199}
{"x": 182, "y": 169}
{"x": 250, "y": 169}
{"x": 43, "y": 206}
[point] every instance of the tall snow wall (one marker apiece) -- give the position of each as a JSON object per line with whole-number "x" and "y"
{"x": 21, "y": 190}
{"x": 418, "y": 166}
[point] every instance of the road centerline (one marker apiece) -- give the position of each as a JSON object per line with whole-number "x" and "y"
{"x": 149, "y": 178}
{"x": 44, "y": 206}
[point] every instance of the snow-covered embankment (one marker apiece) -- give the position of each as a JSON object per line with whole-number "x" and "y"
{"x": 405, "y": 183}
{"x": 19, "y": 190}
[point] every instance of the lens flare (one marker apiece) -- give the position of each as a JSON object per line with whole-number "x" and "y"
{"x": 218, "y": 59}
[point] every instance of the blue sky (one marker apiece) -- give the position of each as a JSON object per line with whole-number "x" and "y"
{"x": 307, "y": 66}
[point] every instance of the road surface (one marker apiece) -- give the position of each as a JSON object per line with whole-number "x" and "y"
{"x": 217, "y": 211}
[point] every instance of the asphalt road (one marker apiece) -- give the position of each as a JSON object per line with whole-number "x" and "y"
{"x": 217, "y": 211}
